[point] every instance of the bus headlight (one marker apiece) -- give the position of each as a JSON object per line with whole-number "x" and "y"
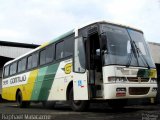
{"x": 117, "y": 79}
{"x": 153, "y": 80}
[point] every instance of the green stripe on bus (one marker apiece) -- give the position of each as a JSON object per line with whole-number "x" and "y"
{"x": 62, "y": 36}
{"x": 38, "y": 83}
{"x": 48, "y": 81}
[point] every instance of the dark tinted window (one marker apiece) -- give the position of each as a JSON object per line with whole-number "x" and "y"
{"x": 42, "y": 57}
{"x": 13, "y": 68}
{"x": 117, "y": 40}
{"x": 23, "y": 61}
{"x": 49, "y": 53}
{"x": 35, "y": 60}
{"x": 22, "y": 65}
{"x": 29, "y": 62}
{"x": 60, "y": 50}
{"x": 6, "y": 71}
{"x": 19, "y": 66}
{"x": 68, "y": 45}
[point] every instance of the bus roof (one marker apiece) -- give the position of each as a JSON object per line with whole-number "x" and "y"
{"x": 108, "y": 22}
{"x": 69, "y": 33}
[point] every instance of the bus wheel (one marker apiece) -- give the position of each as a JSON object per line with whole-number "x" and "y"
{"x": 20, "y": 102}
{"x": 77, "y": 105}
{"x": 1, "y": 100}
{"x": 117, "y": 104}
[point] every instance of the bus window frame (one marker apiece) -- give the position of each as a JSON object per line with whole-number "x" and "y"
{"x": 4, "y": 76}
{"x": 43, "y": 49}
{"x": 36, "y": 52}
{"x": 61, "y": 41}
{"x": 25, "y": 65}
{"x": 10, "y": 68}
{"x": 27, "y": 62}
{"x": 54, "y": 61}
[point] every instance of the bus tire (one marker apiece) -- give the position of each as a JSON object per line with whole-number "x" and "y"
{"x": 1, "y": 100}
{"x": 77, "y": 105}
{"x": 117, "y": 104}
{"x": 20, "y": 102}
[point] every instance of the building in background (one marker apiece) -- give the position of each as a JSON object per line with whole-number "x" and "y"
{"x": 155, "y": 51}
{"x": 11, "y": 50}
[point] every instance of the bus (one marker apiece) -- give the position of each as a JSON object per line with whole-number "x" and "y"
{"x": 101, "y": 61}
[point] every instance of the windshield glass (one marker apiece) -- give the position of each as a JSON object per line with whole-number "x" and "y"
{"x": 120, "y": 48}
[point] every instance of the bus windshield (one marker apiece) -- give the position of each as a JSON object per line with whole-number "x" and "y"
{"x": 126, "y": 47}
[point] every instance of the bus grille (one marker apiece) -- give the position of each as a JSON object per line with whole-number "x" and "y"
{"x": 136, "y": 79}
{"x": 138, "y": 90}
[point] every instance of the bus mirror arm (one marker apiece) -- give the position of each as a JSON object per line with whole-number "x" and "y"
{"x": 103, "y": 38}
{"x": 104, "y": 51}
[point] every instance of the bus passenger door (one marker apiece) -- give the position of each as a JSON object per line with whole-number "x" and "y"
{"x": 80, "y": 82}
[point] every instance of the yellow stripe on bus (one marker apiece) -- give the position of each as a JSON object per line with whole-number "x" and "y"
{"x": 28, "y": 88}
{"x": 9, "y": 93}
{"x": 45, "y": 44}
{"x": 153, "y": 73}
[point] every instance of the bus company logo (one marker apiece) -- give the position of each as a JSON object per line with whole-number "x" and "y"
{"x": 18, "y": 79}
{"x": 68, "y": 68}
{"x": 14, "y": 81}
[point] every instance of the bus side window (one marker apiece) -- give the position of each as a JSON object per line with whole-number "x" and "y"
{"x": 6, "y": 71}
{"x": 69, "y": 45}
{"x": 23, "y": 64}
{"x": 42, "y": 57}
{"x": 49, "y": 53}
{"x": 60, "y": 50}
{"x": 29, "y": 62}
{"x": 13, "y": 68}
{"x": 35, "y": 60}
{"x": 19, "y": 65}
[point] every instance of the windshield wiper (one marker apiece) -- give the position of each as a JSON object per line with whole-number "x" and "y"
{"x": 141, "y": 54}
{"x": 131, "y": 55}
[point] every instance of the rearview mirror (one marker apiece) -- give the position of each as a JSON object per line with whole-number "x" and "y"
{"x": 103, "y": 41}
{"x": 104, "y": 52}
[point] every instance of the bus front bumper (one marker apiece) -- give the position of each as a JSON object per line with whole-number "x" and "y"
{"x": 126, "y": 91}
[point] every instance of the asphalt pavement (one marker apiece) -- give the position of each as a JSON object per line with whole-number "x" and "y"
{"x": 10, "y": 111}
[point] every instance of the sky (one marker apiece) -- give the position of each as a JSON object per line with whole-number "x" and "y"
{"x": 38, "y": 21}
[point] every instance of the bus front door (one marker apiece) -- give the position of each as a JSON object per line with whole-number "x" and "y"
{"x": 80, "y": 82}
{"x": 94, "y": 65}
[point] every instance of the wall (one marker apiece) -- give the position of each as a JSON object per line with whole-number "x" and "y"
{"x": 13, "y": 52}
{"x": 155, "y": 51}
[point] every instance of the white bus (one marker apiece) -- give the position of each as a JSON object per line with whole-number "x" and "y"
{"x": 99, "y": 61}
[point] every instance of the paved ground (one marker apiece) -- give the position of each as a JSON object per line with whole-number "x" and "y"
{"x": 9, "y": 111}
